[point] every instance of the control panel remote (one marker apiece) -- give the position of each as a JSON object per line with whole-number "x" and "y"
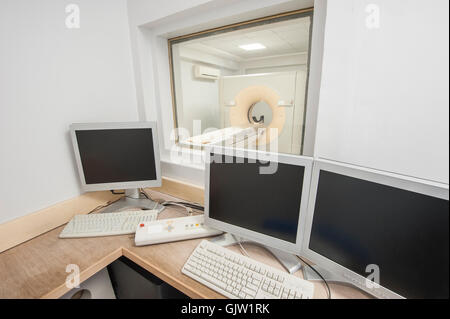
{"x": 172, "y": 229}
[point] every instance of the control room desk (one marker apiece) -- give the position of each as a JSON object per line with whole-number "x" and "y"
{"x": 37, "y": 268}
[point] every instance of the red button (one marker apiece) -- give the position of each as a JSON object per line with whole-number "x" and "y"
{"x": 141, "y": 225}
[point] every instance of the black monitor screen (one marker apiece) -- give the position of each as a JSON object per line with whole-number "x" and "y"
{"x": 117, "y": 155}
{"x": 265, "y": 203}
{"x": 358, "y": 223}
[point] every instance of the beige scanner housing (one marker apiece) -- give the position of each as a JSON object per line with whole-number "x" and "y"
{"x": 282, "y": 91}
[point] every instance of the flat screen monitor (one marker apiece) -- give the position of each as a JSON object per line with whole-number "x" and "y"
{"x": 116, "y": 155}
{"x": 387, "y": 234}
{"x": 257, "y": 196}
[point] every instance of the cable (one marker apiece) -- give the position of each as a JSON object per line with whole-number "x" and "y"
{"x": 188, "y": 209}
{"x": 194, "y": 206}
{"x": 190, "y": 205}
{"x": 318, "y": 273}
{"x": 143, "y": 192}
{"x": 103, "y": 206}
{"x": 243, "y": 249}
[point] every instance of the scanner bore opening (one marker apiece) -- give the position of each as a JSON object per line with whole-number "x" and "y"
{"x": 260, "y": 113}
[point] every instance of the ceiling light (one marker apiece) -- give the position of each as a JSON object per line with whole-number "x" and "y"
{"x": 252, "y": 46}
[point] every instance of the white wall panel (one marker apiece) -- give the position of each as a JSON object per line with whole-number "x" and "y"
{"x": 384, "y": 94}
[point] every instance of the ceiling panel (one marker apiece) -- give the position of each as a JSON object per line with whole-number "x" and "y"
{"x": 286, "y": 37}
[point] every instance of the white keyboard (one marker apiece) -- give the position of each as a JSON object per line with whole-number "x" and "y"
{"x": 107, "y": 224}
{"x": 236, "y": 276}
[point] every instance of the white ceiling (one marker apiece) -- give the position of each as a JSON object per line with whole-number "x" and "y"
{"x": 286, "y": 37}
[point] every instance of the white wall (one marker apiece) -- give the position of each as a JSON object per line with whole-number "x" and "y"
{"x": 384, "y": 94}
{"x": 51, "y": 76}
{"x": 198, "y": 99}
{"x": 144, "y": 11}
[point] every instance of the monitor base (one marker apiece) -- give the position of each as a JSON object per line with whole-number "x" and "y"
{"x": 311, "y": 275}
{"x": 289, "y": 261}
{"x": 133, "y": 199}
{"x": 332, "y": 278}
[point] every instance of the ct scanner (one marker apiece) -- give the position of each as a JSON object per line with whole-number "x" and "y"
{"x": 263, "y": 111}
{"x": 240, "y": 115}
{"x": 282, "y": 93}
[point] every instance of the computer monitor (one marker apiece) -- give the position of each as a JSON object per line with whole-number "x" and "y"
{"x": 364, "y": 225}
{"x": 257, "y": 196}
{"x": 112, "y": 156}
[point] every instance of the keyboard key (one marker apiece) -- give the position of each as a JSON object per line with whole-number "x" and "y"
{"x": 276, "y": 292}
{"x": 252, "y": 287}
{"x": 249, "y": 291}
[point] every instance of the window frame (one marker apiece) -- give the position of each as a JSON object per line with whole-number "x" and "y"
{"x": 233, "y": 27}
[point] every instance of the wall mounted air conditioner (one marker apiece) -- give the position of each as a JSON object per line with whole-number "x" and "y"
{"x": 204, "y": 72}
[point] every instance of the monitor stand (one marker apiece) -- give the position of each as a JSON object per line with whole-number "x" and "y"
{"x": 289, "y": 261}
{"x": 330, "y": 277}
{"x": 310, "y": 275}
{"x": 133, "y": 199}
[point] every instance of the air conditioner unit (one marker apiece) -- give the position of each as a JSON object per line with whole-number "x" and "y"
{"x": 204, "y": 72}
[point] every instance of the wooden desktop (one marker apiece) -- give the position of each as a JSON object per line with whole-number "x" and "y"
{"x": 37, "y": 268}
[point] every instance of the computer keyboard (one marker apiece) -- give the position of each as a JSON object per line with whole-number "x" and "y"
{"x": 107, "y": 224}
{"x": 236, "y": 276}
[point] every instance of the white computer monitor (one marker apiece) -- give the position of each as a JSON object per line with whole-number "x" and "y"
{"x": 257, "y": 196}
{"x": 118, "y": 156}
{"x": 363, "y": 225}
